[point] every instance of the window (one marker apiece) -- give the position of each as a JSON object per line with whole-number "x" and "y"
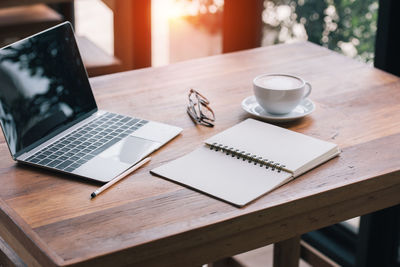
{"x": 346, "y": 26}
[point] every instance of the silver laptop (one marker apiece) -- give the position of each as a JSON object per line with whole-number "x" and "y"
{"x": 50, "y": 119}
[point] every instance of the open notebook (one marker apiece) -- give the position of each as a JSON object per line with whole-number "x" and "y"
{"x": 247, "y": 160}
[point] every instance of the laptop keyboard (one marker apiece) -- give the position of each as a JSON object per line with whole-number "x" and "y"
{"x": 81, "y": 145}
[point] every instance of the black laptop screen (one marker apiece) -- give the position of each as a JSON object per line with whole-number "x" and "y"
{"x": 43, "y": 87}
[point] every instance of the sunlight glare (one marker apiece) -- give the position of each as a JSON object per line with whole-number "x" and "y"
{"x": 172, "y": 9}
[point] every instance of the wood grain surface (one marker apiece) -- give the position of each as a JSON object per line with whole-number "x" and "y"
{"x": 49, "y": 219}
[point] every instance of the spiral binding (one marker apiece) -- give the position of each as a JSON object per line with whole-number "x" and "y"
{"x": 248, "y": 157}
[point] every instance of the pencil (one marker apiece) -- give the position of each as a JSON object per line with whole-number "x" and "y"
{"x": 120, "y": 177}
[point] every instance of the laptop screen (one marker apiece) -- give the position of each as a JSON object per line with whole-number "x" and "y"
{"x": 43, "y": 87}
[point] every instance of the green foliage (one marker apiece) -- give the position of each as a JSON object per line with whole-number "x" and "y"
{"x": 347, "y": 26}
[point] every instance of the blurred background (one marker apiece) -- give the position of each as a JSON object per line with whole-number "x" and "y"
{"x": 173, "y": 30}
{"x": 185, "y": 29}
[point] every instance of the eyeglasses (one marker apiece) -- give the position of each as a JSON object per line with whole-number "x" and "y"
{"x": 199, "y": 110}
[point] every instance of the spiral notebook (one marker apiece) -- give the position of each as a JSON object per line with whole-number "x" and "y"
{"x": 247, "y": 161}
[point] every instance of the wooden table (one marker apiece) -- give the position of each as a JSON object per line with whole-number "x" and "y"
{"x": 48, "y": 218}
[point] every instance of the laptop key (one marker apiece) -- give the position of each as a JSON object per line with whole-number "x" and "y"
{"x": 65, "y": 142}
{"x": 106, "y": 145}
{"x": 63, "y": 158}
{"x": 98, "y": 144}
{"x": 122, "y": 135}
{"x": 34, "y": 160}
{"x": 77, "y": 142}
{"x": 52, "y": 149}
{"x": 81, "y": 161}
{"x": 64, "y": 164}
{"x": 80, "y": 154}
{"x": 54, "y": 163}
{"x": 69, "y": 154}
{"x": 75, "y": 165}
{"x": 69, "y": 169}
{"x": 88, "y": 157}
{"x": 86, "y": 151}
{"x": 45, "y": 151}
{"x": 74, "y": 158}
{"x": 65, "y": 149}
{"x": 58, "y": 145}
{"x": 30, "y": 158}
{"x": 45, "y": 161}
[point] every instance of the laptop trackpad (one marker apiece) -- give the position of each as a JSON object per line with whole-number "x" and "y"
{"x": 130, "y": 150}
{"x": 117, "y": 158}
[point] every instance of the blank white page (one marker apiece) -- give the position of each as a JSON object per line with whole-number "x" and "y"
{"x": 225, "y": 177}
{"x": 298, "y": 152}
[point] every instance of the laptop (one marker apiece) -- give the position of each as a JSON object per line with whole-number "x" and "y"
{"x": 50, "y": 118}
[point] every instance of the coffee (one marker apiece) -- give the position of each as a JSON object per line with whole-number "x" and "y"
{"x": 279, "y": 82}
{"x": 280, "y": 93}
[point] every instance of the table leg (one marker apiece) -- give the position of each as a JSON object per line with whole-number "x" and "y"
{"x": 8, "y": 257}
{"x": 287, "y": 253}
{"x": 378, "y": 238}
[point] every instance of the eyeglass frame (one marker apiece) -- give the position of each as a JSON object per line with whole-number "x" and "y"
{"x": 199, "y": 117}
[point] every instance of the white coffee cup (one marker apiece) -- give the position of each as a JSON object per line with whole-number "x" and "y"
{"x": 280, "y": 93}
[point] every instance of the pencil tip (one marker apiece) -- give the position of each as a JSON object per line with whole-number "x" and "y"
{"x": 92, "y": 195}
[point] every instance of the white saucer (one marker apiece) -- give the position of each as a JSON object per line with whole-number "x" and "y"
{"x": 250, "y": 105}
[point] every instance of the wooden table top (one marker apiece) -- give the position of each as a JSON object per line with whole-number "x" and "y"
{"x": 144, "y": 220}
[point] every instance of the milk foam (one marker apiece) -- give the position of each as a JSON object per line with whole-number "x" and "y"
{"x": 279, "y": 82}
